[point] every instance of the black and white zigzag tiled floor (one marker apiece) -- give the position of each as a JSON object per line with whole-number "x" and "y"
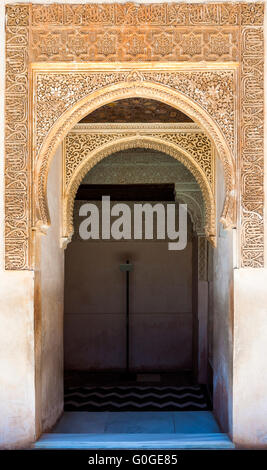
{"x": 137, "y": 398}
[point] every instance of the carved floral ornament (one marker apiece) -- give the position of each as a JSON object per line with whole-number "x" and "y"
{"x": 216, "y": 47}
{"x": 84, "y": 148}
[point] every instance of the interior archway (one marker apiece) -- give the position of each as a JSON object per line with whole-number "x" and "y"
{"x": 171, "y": 149}
{"x": 222, "y": 403}
{"x": 124, "y": 90}
{"x": 163, "y": 326}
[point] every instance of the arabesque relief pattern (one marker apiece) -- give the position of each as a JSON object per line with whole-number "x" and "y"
{"x": 17, "y": 155}
{"x": 138, "y": 142}
{"x": 252, "y": 147}
{"x": 80, "y": 143}
{"x": 156, "y": 32}
{"x": 79, "y": 147}
{"x": 213, "y": 90}
{"x": 134, "y": 84}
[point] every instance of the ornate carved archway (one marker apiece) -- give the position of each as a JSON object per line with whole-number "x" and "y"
{"x": 207, "y": 58}
{"x": 142, "y": 141}
{"x": 135, "y": 85}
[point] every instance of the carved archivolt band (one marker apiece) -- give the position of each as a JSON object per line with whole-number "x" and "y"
{"x": 143, "y": 142}
{"x": 126, "y": 90}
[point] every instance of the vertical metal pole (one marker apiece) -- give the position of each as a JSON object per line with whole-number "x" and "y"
{"x": 127, "y": 268}
{"x": 127, "y": 319}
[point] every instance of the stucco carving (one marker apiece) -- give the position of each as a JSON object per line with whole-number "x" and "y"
{"x": 86, "y": 138}
{"x": 143, "y": 142}
{"x": 131, "y": 14}
{"x": 84, "y": 148}
{"x": 17, "y": 171}
{"x": 252, "y": 146}
{"x": 176, "y": 32}
{"x": 199, "y": 33}
{"x": 213, "y": 90}
{"x": 135, "y": 87}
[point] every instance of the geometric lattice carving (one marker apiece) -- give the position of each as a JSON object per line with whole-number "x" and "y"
{"x": 199, "y": 35}
{"x": 175, "y": 32}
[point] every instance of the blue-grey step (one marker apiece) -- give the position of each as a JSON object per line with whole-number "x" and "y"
{"x": 134, "y": 441}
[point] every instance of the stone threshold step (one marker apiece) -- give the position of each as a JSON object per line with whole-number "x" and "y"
{"x": 134, "y": 441}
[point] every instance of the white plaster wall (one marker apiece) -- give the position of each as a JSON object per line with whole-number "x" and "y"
{"x": 250, "y": 358}
{"x": 17, "y": 396}
{"x": 265, "y": 138}
{"x": 222, "y": 291}
{"x": 52, "y": 299}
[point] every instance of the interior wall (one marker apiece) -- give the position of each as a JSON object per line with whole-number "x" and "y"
{"x": 52, "y": 301}
{"x": 95, "y": 298}
{"x": 221, "y": 305}
{"x": 202, "y": 305}
{"x": 161, "y": 282}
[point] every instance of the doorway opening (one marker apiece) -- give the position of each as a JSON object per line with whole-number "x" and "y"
{"x": 148, "y": 361}
{"x": 172, "y": 327}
